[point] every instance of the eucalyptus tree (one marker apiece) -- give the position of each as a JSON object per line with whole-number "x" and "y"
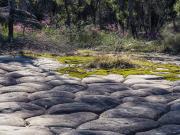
{"x": 12, "y": 13}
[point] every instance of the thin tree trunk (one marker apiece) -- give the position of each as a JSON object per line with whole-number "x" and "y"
{"x": 68, "y": 21}
{"x": 11, "y": 21}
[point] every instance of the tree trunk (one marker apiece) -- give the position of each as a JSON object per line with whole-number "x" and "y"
{"x": 68, "y": 21}
{"x": 11, "y": 21}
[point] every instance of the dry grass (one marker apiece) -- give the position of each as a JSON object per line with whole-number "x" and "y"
{"x": 111, "y": 61}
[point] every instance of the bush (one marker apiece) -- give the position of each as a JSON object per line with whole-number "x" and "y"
{"x": 171, "y": 39}
{"x": 110, "y": 61}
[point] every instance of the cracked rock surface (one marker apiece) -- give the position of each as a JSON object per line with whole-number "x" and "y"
{"x": 37, "y": 101}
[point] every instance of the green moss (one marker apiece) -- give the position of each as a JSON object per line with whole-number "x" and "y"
{"x": 132, "y": 71}
{"x": 75, "y": 59}
{"x": 82, "y": 73}
{"x": 79, "y": 67}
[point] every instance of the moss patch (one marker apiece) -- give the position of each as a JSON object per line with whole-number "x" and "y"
{"x": 79, "y": 67}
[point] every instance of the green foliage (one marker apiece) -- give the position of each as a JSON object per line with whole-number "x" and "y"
{"x": 171, "y": 38}
{"x": 177, "y": 7}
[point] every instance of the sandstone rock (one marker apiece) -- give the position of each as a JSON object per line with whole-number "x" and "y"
{"x": 67, "y": 120}
{"x": 172, "y": 117}
{"x": 120, "y": 125}
{"x": 164, "y": 130}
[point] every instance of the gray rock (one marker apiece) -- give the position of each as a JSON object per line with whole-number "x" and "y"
{"x": 51, "y": 101}
{"x": 103, "y": 102}
{"x": 17, "y": 88}
{"x": 176, "y": 89}
{"x": 30, "y": 79}
{"x": 89, "y": 132}
{"x": 103, "y": 79}
{"x": 6, "y": 81}
{"x": 51, "y": 93}
{"x": 10, "y": 130}
{"x": 175, "y": 105}
{"x": 164, "y": 130}
{"x": 120, "y": 125}
{"x": 69, "y": 88}
{"x": 67, "y": 120}
{"x": 107, "y": 87}
{"x": 8, "y": 120}
{"x": 63, "y": 82}
{"x": 172, "y": 117}
{"x": 37, "y": 86}
{"x": 60, "y": 130}
{"x": 153, "y": 85}
{"x": 74, "y": 107}
{"x": 22, "y": 110}
{"x": 14, "y": 97}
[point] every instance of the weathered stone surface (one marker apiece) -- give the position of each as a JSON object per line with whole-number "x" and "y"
{"x": 107, "y": 87}
{"x": 127, "y": 93}
{"x": 37, "y": 86}
{"x": 147, "y": 77}
{"x": 51, "y": 93}
{"x": 30, "y": 79}
{"x": 103, "y": 79}
{"x": 37, "y": 101}
{"x": 17, "y": 88}
{"x": 103, "y": 102}
{"x": 69, "y": 88}
{"x": 89, "y": 132}
{"x": 164, "y": 130}
{"x": 172, "y": 117}
{"x": 132, "y": 110}
{"x": 120, "y": 125}
{"x": 153, "y": 85}
{"x": 176, "y": 89}
{"x": 5, "y": 119}
{"x": 160, "y": 108}
{"x": 60, "y": 130}
{"x": 10, "y": 130}
{"x": 61, "y": 82}
{"x": 175, "y": 105}
{"x": 50, "y": 101}
{"x": 14, "y": 97}
{"x": 74, "y": 107}
{"x": 6, "y": 81}
{"x": 67, "y": 120}
{"x": 23, "y": 73}
{"x": 22, "y": 110}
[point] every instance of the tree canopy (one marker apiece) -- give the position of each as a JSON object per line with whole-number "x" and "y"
{"x": 138, "y": 17}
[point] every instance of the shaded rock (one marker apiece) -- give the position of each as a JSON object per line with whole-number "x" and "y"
{"x": 5, "y": 119}
{"x": 107, "y": 87}
{"x": 22, "y": 110}
{"x": 69, "y": 88}
{"x": 51, "y": 101}
{"x": 67, "y": 120}
{"x": 164, "y": 130}
{"x": 103, "y": 102}
{"x": 172, "y": 117}
{"x": 51, "y": 93}
{"x": 30, "y": 79}
{"x": 103, "y": 79}
{"x": 74, "y": 107}
{"x": 6, "y": 81}
{"x": 120, "y": 125}
{"x": 10, "y": 130}
{"x": 89, "y": 132}
{"x": 14, "y": 97}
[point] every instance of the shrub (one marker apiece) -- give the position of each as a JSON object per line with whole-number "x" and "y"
{"x": 110, "y": 61}
{"x": 171, "y": 39}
